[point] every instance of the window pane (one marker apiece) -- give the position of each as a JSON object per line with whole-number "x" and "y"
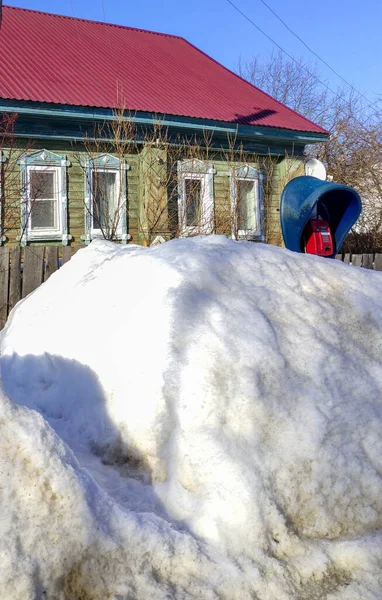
{"x": 246, "y": 216}
{"x": 193, "y": 190}
{"x": 43, "y": 214}
{"x": 104, "y": 192}
{"x": 41, "y": 185}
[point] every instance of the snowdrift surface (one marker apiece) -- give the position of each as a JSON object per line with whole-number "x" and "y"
{"x": 217, "y": 411}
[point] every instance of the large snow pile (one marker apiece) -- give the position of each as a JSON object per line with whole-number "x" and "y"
{"x": 217, "y": 412}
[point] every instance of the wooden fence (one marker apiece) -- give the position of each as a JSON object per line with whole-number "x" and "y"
{"x": 22, "y": 270}
{"x": 367, "y": 261}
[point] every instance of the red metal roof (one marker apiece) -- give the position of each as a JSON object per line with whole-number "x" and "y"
{"x": 63, "y": 60}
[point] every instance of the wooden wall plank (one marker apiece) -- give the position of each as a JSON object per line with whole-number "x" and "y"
{"x": 347, "y": 258}
{"x": 378, "y": 262}
{"x": 51, "y": 261}
{"x": 15, "y": 278}
{"x": 4, "y": 285}
{"x": 33, "y": 269}
{"x": 338, "y": 256}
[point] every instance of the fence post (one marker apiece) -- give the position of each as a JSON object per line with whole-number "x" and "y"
{"x": 15, "y": 278}
{"x": 367, "y": 261}
{"x": 378, "y": 262}
{"x": 66, "y": 254}
{"x": 356, "y": 260}
{"x": 4, "y": 284}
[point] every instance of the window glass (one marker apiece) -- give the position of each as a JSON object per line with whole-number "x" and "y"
{"x": 43, "y": 199}
{"x": 193, "y": 190}
{"x": 43, "y": 214}
{"x": 41, "y": 185}
{"x": 104, "y": 191}
{"x": 246, "y": 210}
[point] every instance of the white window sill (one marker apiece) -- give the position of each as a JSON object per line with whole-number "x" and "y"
{"x": 41, "y": 236}
{"x": 250, "y": 235}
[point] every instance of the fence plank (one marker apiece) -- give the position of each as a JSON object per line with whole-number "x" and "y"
{"x": 367, "y": 261}
{"x": 347, "y": 258}
{"x": 51, "y": 261}
{"x": 356, "y": 260}
{"x": 338, "y": 256}
{"x": 4, "y": 285}
{"x": 33, "y": 268}
{"x": 15, "y": 278}
{"x": 378, "y": 262}
{"x": 66, "y": 254}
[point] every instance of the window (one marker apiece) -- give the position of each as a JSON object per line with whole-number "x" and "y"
{"x": 105, "y": 198}
{"x": 247, "y": 212}
{"x": 195, "y": 197}
{"x": 44, "y": 197}
{"x": 105, "y": 202}
{"x": 43, "y": 194}
{"x": 246, "y": 203}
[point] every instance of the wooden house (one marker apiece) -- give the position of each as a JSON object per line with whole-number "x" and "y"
{"x": 135, "y": 136}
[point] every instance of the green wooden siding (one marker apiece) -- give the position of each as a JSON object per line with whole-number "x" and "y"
{"x": 159, "y": 187}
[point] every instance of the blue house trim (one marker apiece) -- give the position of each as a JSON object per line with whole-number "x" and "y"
{"x": 53, "y": 121}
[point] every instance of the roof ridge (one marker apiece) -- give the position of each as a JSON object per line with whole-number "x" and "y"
{"x": 104, "y": 23}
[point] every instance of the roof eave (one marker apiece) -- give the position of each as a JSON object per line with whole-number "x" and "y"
{"x": 254, "y": 133}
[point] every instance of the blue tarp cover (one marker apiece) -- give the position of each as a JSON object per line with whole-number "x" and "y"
{"x": 339, "y": 204}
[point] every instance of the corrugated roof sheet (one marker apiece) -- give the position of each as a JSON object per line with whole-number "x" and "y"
{"x": 63, "y": 60}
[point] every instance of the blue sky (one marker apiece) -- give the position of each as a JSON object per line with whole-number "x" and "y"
{"x": 345, "y": 33}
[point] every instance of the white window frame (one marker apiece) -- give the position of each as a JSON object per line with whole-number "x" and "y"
{"x": 105, "y": 163}
{"x": 199, "y": 171}
{"x": 44, "y": 160}
{"x": 49, "y": 232}
{"x": 247, "y": 173}
{"x": 97, "y": 232}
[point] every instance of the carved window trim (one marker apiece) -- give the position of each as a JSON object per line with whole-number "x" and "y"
{"x": 44, "y": 160}
{"x": 102, "y": 164}
{"x": 247, "y": 173}
{"x": 196, "y": 170}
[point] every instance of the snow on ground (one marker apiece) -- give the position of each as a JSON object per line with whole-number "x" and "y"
{"x": 198, "y": 420}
